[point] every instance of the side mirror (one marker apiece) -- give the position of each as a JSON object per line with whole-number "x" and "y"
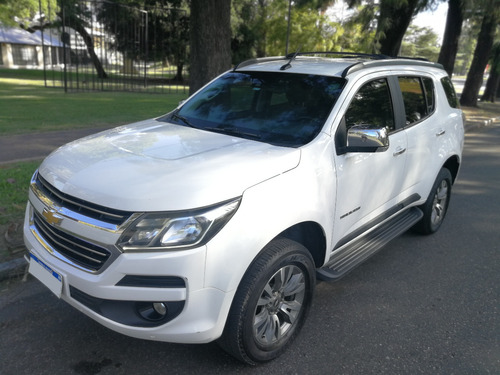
{"x": 366, "y": 138}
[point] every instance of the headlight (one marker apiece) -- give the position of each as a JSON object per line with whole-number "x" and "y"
{"x": 164, "y": 231}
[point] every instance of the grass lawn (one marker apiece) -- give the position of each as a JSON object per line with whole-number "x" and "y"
{"x": 26, "y": 106}
{"x": 14, "y": 183}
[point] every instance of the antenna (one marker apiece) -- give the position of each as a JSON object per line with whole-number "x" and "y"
{"x": 288, "y": 65}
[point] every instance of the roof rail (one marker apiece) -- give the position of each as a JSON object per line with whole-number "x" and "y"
{"x": 342, "y": 54}
{"x": 394, "y": 61}
{"x": 378, "y": 60}
{"x": 258, "y": 60}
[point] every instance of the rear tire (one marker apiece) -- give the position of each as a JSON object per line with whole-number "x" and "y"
{"x": 436, "y": 206}
{"x": 271, "y": 303}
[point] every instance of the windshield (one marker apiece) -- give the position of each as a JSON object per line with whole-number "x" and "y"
{"x": 285, "y": 109}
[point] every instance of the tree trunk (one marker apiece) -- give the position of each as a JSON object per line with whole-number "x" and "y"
{"x": 210, "y": 41}
{"x": 474, "y": 79}
{"x": 452, "y": 32}
{"x": 89, "y": 42}
{"x": 70, "y": 19}
{"x": 178, "y": 76}
{"x": 493, "y": 84}
{"x": 393, "y": 23}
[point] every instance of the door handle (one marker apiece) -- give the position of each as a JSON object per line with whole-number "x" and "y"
{"x": 399, "y": 151}
{"x": 440, "y": 132}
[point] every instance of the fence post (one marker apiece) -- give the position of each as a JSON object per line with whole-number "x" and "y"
{"x": 43, "y": 43}
{"x": 64, "y": 39}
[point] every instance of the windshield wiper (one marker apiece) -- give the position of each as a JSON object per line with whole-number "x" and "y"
{"x": 231, "y": 130}
{"x": 184, "y": 120}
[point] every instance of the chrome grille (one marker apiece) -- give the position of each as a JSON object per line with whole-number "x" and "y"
{"x": 78, "y": 251}
{"x": 88, "y": 209}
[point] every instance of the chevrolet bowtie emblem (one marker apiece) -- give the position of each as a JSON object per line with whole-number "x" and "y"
{"x": 51, "y": 216}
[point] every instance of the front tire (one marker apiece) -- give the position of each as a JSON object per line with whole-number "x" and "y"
{"x": 271, "y": 303}
{"x": 436, "y": 206}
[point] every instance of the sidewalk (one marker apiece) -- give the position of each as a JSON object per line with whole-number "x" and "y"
{"x": 17, "y": 148}
{"x": 34, "y": 146}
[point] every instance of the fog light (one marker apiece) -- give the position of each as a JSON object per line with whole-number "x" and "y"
{"x": 160, "y": 308}
{"x": 152, "y": 311}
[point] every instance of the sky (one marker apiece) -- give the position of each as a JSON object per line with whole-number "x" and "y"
{"x": 436, "y": 20}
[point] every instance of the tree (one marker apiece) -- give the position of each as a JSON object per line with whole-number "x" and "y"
{"x": 32, "y": 15}
{"x": 493, "y": 83}
{"x": 452, "y": 31}
{"x": 155, "y": 30}
{"x": 210, "y": 40}
{"x": 77, "y": 16}
{"x": 393, "y": 18}
{"x": 393, "y": 21}
{"x": 485, "y": 40}
{"x": 466, "y": 46}
{"x": 420, "y": 42}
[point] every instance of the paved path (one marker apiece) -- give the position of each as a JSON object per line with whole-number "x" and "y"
{"x": 33, "y": 146}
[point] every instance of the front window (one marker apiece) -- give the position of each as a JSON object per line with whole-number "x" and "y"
{"x": 279, "y": 108}
{"x": 372, "y": 105}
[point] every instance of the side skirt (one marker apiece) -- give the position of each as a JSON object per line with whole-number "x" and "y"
{"x": 359, "y": 250}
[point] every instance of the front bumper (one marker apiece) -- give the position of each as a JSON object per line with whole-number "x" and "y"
{"x": 122, "y": 295}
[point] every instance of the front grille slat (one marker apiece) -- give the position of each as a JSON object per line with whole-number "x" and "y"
{"x": 89, "y": 209}
{"x": 49, "y": 230}
{"x": 82, "y": 253}
{"x": 62, "y": 247}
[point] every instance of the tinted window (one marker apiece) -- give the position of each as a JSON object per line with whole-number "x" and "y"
{"x": 279, "y": 108}
{"x": 450, "y": 92}
{"x": 413, "y": 98}
{"x": 371, "y": 105}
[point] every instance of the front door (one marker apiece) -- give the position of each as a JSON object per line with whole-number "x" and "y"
{"x": 368, "y": 184}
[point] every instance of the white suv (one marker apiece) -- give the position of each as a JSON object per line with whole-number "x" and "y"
{"x": 214, "y": 221}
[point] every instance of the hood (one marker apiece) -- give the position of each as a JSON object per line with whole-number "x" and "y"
{"x": 157, "y": 166}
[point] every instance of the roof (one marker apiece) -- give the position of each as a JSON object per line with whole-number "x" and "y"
{"x": 341, "y": 65}
{"x": 12, "y": 35}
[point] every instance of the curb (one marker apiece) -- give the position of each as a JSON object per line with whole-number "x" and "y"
{"x": 14, "y": 267}
{"x": 475, "y": 124}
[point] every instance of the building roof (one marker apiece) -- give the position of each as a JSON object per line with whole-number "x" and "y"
{"x": 13, "y": 35}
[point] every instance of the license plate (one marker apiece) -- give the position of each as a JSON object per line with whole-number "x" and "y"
{"x": 46, "y": 275}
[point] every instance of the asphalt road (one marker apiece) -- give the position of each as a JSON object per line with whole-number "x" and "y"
{"x": 423, "y": 305}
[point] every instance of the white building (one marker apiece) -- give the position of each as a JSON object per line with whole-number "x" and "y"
{"x": 20, "y": 48}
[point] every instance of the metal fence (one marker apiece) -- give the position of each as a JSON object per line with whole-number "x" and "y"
{"x": 100, "y": 45}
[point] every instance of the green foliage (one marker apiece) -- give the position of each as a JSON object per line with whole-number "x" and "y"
{"x": 26, "y": 12}
{"x": 14, "y": 183}
{"x": 260, "y": 26}
{"x": 420, "y": 42}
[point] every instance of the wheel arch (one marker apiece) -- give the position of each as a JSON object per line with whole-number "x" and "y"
{"x": 310, "y": 235}
{"x": 453, "y": 165}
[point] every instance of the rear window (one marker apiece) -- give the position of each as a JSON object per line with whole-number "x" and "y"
{"x": 450, "y": 92}
{"x": 418, "y": 100}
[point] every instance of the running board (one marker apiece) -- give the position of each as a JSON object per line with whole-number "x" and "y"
{"x": 361, "y": 249}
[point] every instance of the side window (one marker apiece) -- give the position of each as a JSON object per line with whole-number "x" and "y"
{"x": 450, "y": 92}
{"x": 372, "y": 105}
{"x": 413, "y": 98}
{"x": 429, "y": 94}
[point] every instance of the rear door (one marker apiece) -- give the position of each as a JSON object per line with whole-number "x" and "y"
{"x": 424, "y": 132}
